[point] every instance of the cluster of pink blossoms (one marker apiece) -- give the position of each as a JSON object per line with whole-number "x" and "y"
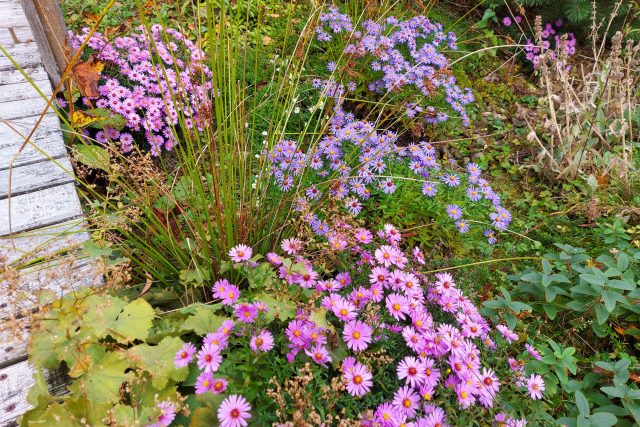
{"x": 157, "y": 79}
{"x": 383, "y": 298}
{"x": 441, "y": 329}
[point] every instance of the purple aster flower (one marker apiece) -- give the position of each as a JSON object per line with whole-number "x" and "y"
{"x": 429, "y": 189}
{"x": 261, "y": 342}
{"x": 357, "y": 378}
{"x": 240, "y": 253}
{"x": 245, "y": 312}
{"x": 535, "y": 386}
{"x": 357, "y": 335}
{"x": 454, "y": 211}
{"x": 184, "y": 356}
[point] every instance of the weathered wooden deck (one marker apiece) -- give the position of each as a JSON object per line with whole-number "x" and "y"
{"x": 42, "y": 202}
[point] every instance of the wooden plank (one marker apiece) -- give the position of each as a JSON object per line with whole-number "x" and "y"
{"x": 25, "y": 54}
{"x": 38, "y": 286}
{"x": 22, "y": 108}
{"x": 13, "y": 14}
{"x": 50, "y": 33}
{"x": 39, "y": 209}
{"x": 42, "y": 284}
{"x": 46, "y": 142}
{"x": 14, "y": 344}
{"x": 8, "y": 77}
{"x": 15, "y": 382}
{"x": 24, "y": 90}
{"x": 42, "y": 242}
{"x": 10, "y": 36}
{"x": 36, "y": 176}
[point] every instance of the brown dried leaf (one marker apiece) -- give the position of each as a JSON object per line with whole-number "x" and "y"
{"x": 86, "y": 77}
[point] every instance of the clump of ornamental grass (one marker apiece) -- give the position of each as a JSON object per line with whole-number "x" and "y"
{"x": 211, "y": 186}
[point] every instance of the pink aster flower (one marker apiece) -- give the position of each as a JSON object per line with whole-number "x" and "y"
{"x": 387, "y": 415}
{"x": 274, "y": 258}
{"x": 262, "y": 342}
{"x": 229, "y": 295}
{"x": 358, "y": 379}
{"x": 535, "y": 386}
{"x": 363, "y": 236}
{"x": 412, "y": 371}
{"x": 184, "y": 356}
{"x": 219, "y": 385}
{"x": 406, "y": 400}
{"x": 533, "y": 352}
{"x": 344, "y": 310}
{"x": 418, "y": 256}
{"x": 489, "y": 381}
{"x": 507, "y": 333}
{"x": 385, "y": 255}
{"x": 245, "y": 312}
{"x": 204, "y": 382}
{"x": 465, "y": 394}
{"x": 209, "y": 358}
{"x": 167, "y": 414}
{"x": 234, "y": 411}
{"x": 291, "y": 246}
{"x": 240, "y": 253}
{"x": 397, "y": 305}
{"x": 319, "y": 354}
{"x": 220, "y": 287}
{"x": 357, "y": 335}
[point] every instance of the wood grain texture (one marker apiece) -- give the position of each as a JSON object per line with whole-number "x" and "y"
{"x": 25, "y": 54}
{"x": 22, "y": 108}
{"x": 36, "y": 176}
{"x": 43, "y": 242}
{"x": 45, "y": 143}
{"x": 8, "y": 77}
{"x": 39, "y": 209}
{"x": 24, "y": 90}
{"x": 15, "y": 382}
{"x": 44, "y": 283}
{"x": 15, "y": 35}
{"x": 37, "y": 287}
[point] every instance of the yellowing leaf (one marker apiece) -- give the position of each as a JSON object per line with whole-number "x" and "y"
{"x": 134, "y": 322}
{"x": 203, "y": 321}
{"x": 103, "y": 381}
{"x": 158, "y": 361}
{"x": 98, "y": 66}
{"x": 81, "y": 120}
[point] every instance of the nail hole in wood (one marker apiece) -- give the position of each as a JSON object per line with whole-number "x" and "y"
{"x": 11, "y": 407}
{"x": 3, "y": 377}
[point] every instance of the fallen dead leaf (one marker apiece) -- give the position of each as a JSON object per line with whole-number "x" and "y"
{"x": 86, "y": 77}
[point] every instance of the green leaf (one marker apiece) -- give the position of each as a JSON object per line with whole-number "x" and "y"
{"x": 93, "y": 156}
{"x": 281, "y": 308}
{"x": 546, "y": 267}
{"x": 623, "y": 261}
{"x": 134, "y": 322}
{"x": 614, "y": 391}
{"x": 602, "y": 314}
{"x": 621, "y": 284}
{"x": 551, "y": 310}
{"x": 610, "y": 298}
{"x": 203, "y": 321}
{"x": 157, "y": 360}
{"x": 634, "y": 408}
{"x": 102, "y": 383}
{"x": 319, "y": 317}
{"x": 582, "y": 403}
